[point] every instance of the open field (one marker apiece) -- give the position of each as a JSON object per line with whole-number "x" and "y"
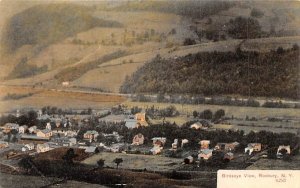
{"x": 236, "y": 111}
{"x": 61, "y": 99}
{"x": 20, "y": 181}
{"x": 273, "y": 164}
{"x": 132, "y": 161}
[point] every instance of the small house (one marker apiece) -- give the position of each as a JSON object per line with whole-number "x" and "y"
{"x": 72, "y": 141}
{"x": 28, "y": 147}
{"x": 131, "y": 123}
{"x": 138, "y": 139}
{"x": 188, "y": 160}
{"x": 196, "y": 125}
{"x": 253, "y": 147}
{"x": 45, "y": 133}
{"x": 229, "y": 156}
{"x": 204, "y": 144}
{"x": 90, "y": 149}
{"x": 283, "y": 150}
{"x": 3, "y": 144}
{"x": 65, "y": 84}
{"x": 175, "y": 144}
{"x": 184, "y": 141}
{"x": 48, "y": 126}
{"x": 91, "y": 135}
{"x": 22, "y": 129}
{"x": 205, "y": 154}
{"x": 159, "y": 141}
{"x": 32, "y": 129}
{"x": 156, "y": 150}
{"x": 40, "y": 148}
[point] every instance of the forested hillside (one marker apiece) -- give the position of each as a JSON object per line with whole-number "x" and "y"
{"x": 45, "y": 24}
{"x": 191, "y": 8}
{"x": 273, "y": 73}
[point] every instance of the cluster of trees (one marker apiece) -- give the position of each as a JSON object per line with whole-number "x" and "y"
{"x": 251, "y": 74}
{"x": 24, "y": 69}
{"x": 15, "y": 96}
{"x": 74, "y": 72}
{"x": 255, "y": 12}
{"x": 29, "y": 118}
{"x": 197, "y": 99}
{"x": 169, "y": 111}
{"x": 244, "y": 28}
{"x": 208, "y": 114}
{"x": 275, "y": 104}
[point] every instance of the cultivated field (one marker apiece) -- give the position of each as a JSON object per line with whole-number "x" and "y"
{"x": 132, "y": 161}
{"x": 61, "y": 99}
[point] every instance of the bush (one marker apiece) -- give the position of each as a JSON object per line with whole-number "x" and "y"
{"x": 189, "y": 41}
{"x": 256, "y": 13}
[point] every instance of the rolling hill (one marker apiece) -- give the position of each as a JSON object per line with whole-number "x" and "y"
{"x": 77, "y": 41}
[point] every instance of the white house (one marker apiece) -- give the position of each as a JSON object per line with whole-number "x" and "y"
{"x": 253, "y": 147}
{"x": 40, "y": 148}
{"x": 281, "y": 148}
{"x": 22, "y": 129}
{"x": 90, "y": 149}
{"x": 184, "y": 141}
{"x": 32, "y": 129}
{"x": 196, "y": 125}
{"x": 65, "y": 84}
{"x": 48, "y": 126}
{"x": 175, "y": 144}
{"x": 156, "y": 150}
{"x": 72, "y": 141}
{"x": 28, "y": 147}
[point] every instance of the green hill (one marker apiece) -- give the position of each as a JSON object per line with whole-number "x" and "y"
{"x": 271, "y": 74}
{"x": 49, "y": 23}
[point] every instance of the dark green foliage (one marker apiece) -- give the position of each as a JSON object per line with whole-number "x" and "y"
{"x": 69, "y": 156}
{"x": 74, "y": 72}
{"x": 24, "y": 69}
{"x": 195, "y": 114}
{"x": 191, "y": 8}
{"x": 189, "y": 41}
{"x": 219, "y": 114}
{"x": 26, "y": 163}
{"x": 244, "y": 28}
{"x": 206, "y": 114}
{"x": 217, "y": 73}
{"x": 272, "y": 104}
{"x": 135, "y": 110}
{"x": 256, "y": 13}
{"x": 48, "y": 23}
{"x": 15, "y": 96}
{"x": 100, "y": 163}
{"x": 118, "y": 161}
